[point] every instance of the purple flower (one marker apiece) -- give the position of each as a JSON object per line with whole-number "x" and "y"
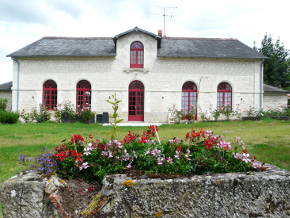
{"x": 22, "y": 157}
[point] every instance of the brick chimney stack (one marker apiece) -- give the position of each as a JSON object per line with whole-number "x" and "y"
{"x": 160, "y": 33}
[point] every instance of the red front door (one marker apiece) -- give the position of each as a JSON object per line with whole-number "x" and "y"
{"x": 136, "y": 101}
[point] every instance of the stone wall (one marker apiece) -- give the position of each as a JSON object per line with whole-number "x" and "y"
{"x": 260, "y": 194}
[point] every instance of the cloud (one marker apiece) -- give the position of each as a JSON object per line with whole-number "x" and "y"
{"x": 70, "y": 7}
{"x": 22, "y": 11}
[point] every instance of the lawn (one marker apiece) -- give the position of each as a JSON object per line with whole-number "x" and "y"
{"x": 268, "y": 140}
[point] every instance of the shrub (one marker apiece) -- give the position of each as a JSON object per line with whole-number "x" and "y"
{"x": 40, "y": 116}
{"x": 8, "y": 117}
{"x": 26, "y": 117}
{"x": 3, "y": 104}
{"x": 66, "y": 114}
{"x": 216, "y": 114}
{"x": 226, "y": 111}
{"x": 86, "y": 116}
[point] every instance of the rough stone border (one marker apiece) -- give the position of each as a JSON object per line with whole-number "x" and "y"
{"x": 258, "y": 194}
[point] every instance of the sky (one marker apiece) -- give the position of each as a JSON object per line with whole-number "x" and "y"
{"x": 25, "y": 21}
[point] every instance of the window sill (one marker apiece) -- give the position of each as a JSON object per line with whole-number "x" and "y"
{"x": 133, "y": 70}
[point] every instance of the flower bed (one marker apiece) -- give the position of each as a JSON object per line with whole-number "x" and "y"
{"x": 200, "y": 152}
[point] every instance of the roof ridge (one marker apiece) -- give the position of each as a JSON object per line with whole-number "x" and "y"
{"x": 181, "y": 38}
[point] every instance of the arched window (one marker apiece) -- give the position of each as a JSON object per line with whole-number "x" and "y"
{"x": 137, "y": 55}
{"x": 189, "y": 98}
{"x": 224, "y": 95}
{"x": 83, "y": 95}
{"x": 49, "y": 95}
{"x": 136, "y": 101}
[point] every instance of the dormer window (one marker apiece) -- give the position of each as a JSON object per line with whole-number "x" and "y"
{"x": 136, "y": 55}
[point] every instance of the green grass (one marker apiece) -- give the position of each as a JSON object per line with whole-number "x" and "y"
{"x": 269, "y": 140}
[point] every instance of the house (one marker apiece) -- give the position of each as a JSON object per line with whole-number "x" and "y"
{"x": 148, "y": 72}
{"x": 5, "y": 92}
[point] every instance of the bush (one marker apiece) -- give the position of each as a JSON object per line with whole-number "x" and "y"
{"x": 86, "y": 116}
{"x": 40, "y": 116}
{"x": 26, "y": 117}
{"x": 66, "y": 114}
{"x": 3, "y": 104}
{"x": 8, "y": 117}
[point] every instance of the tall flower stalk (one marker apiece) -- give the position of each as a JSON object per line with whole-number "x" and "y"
{"x": 115, "y": 116}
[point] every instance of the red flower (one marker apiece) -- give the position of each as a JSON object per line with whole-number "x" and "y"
{"x": 129, "y": 138}
{"x": 178, "y": 148}
{"x": 143, "y": 139}
{"x": 193, "y": 134}
{"x": 61, "y": 155}
{"x": 187, "y": 136}
{"x": 208, "y": 143}
{"x": 153, "y": 128}
{"x": 77, "y": 138}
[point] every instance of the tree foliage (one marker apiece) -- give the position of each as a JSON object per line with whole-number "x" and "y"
{"x": 277, "y": 66}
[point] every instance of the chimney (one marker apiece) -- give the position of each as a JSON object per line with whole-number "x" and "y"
{"x": 160, "y": 33}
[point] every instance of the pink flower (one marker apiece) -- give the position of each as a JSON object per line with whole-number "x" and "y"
{"x": 224, "y": 145}
{"x": 84, "y": 165}
{"x": 155, "y": 152}
{"x": 169, "y": 160}
{"x": 129, "y": 166}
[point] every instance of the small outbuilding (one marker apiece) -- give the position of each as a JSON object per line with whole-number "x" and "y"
{"x": 6, "y": 92}
{"x": 274, "y": 98}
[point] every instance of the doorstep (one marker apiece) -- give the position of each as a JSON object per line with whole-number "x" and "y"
{"x": 134, "y": 123}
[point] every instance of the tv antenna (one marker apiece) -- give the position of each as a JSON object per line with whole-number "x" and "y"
{"x": 164, "y": 16}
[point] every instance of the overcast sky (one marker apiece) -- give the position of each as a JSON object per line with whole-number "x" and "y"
{"x": 25, "y": 21}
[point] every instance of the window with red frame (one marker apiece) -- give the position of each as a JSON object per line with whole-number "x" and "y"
{"x": 83, "y": 95}
{"x": 224, "y": 95}
{"x": 137, "y": 55}
{"x": 49, "y": 95}
{"x": 189, "y": 97}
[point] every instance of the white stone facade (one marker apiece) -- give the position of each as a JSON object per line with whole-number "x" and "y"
{"x": 162, "y": 77}
{"x": 275, "y": 101}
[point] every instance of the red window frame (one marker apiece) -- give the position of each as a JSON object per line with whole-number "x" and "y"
{"x": 136, "y": 101}
{"x": 189, "y": 98}
{"x": 83, "y": 95}
{"x": 49, "y": 95}
{"x": 224, "y": 95}
{"x": 136, "y": 55}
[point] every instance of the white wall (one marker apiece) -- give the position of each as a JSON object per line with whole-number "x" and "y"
{"x": 274, "y": 101}
{"x": 162, "y": 77}
{"x": 8, "y": 96}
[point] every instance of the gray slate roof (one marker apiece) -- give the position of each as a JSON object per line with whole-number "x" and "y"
{"x": 167, "y": 47}
{"x": 273, "y": 89}
{"x": 67, "y": 46}
{"x": 6, "y": 86}
{"x": 206, "y": 48}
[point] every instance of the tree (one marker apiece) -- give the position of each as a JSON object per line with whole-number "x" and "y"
{"x": 277, "y": 66}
